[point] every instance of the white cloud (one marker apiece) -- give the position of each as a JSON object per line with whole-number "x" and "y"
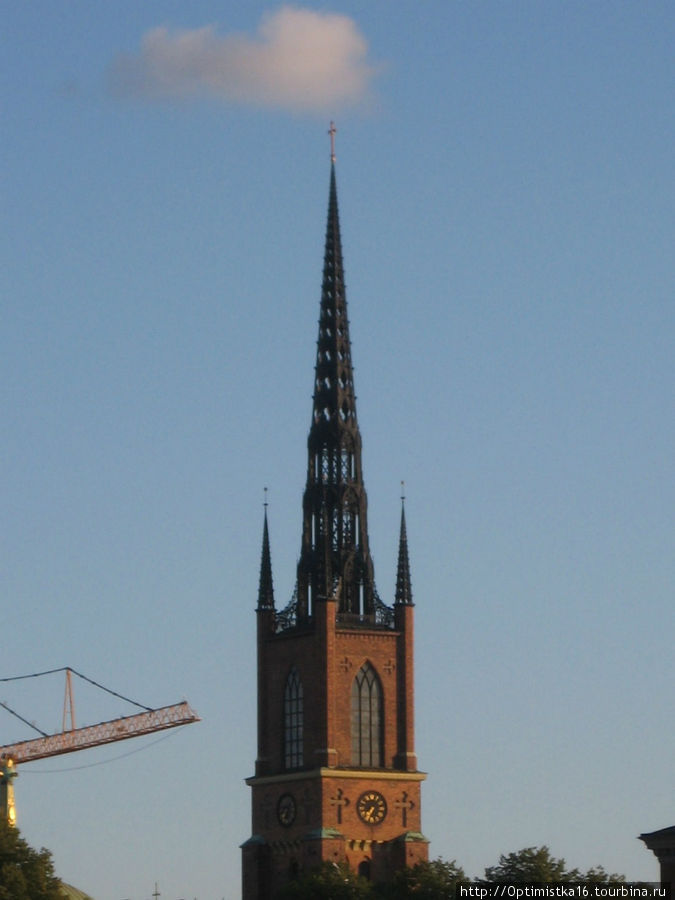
{"x": 299, "y": 60}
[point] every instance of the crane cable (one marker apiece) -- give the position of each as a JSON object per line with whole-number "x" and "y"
{"x": 79, "y": 675}
{"x": 25, "y": 721}
{"x": 84, "y": 678}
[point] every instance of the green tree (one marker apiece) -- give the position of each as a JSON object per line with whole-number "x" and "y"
{"x": 597, "y": 875}
{"x": 530, "y": 864}
{"x": 537, "y": 864}
{"x": 25, "y": 874}
{"x": 433, "y": 880}
{"x": 330, "y": 882}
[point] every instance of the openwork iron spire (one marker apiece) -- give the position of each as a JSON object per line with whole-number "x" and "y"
{"x": 335, "y": 558}
{"x": 266, "y": 588}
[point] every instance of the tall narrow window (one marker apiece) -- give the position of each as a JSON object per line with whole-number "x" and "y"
{"x": 367, "y": 718}
{"x": 293, "y": 721}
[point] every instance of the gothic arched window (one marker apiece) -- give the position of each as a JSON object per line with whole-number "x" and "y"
{"x": 367, "y": 718}
{"x": 293, "y": 721}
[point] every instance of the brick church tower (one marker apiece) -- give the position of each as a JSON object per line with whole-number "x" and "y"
{"x": 336, "y": 775}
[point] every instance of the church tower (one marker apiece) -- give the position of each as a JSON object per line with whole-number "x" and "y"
{"x": 336, "y": 775}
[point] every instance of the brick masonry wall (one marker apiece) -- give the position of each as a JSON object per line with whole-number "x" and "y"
{"x": 330, "y": 799}
{"x": 324, "y": 794}
{"x": 327, "y": 715}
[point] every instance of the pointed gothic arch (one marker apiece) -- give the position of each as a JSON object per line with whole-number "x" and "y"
{"x": 293, "y": 721}
{"x": 367, "y": 718}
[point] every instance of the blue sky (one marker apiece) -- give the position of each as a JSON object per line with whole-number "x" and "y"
{"x": 505, "y": 177}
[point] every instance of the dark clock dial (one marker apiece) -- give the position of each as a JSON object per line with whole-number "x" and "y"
{"x": 371, "y": 807}
{"x": 286, "y": 810}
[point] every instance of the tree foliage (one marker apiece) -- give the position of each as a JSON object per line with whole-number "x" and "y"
{"x": 437, "y": 879}
{"x": 530, "y": 864}
{"x": 329, "y": 882}
{"x": 536, "y": 864}
{"x": 25, "y": 873}
{"x": 434, "y": 880}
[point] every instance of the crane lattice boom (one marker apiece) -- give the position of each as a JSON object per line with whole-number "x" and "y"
{"x": 103, "y": 733}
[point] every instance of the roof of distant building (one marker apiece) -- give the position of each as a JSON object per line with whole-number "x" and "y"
{"x": 73, "y": 893}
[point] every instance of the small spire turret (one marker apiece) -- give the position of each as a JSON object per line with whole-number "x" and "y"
{"x": 403, "y": 583}
{"x": 266, "y": 587}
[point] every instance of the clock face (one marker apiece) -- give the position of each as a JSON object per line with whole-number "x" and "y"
{"x": 371, "y": 807}
{"x": 286, "y": 810}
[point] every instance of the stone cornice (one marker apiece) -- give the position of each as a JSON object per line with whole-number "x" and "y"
{"x": 325, "y": 772}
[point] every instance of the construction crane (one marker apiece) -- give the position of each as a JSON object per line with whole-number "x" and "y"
{"x": 73, "y": 739}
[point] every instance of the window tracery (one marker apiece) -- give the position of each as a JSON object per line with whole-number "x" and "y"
{"x": 366, "y": 718}
{"x": 293, "y": 721}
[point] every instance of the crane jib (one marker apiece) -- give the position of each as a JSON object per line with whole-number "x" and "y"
{"x": 103, "y": 733}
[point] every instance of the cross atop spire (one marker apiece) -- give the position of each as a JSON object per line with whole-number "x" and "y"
{"x": 332, "y": 131}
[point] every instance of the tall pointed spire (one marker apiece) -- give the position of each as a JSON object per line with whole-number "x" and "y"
{"x": 335, "y": 558}
{"x": 403, "y": 584}
{"x": 266, "y": 588}
{"x": 334, "y": 400}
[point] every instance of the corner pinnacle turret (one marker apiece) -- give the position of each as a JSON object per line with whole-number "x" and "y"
{"x": 266, "y": 588}
{"x": 403, "y": 586}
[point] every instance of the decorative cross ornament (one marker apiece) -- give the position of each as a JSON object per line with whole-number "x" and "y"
{"x": 266, "y": 808}
{"x": 404, "y": 805}
{"x": 308, "y": 803}
{"x": 339, "y": 801}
